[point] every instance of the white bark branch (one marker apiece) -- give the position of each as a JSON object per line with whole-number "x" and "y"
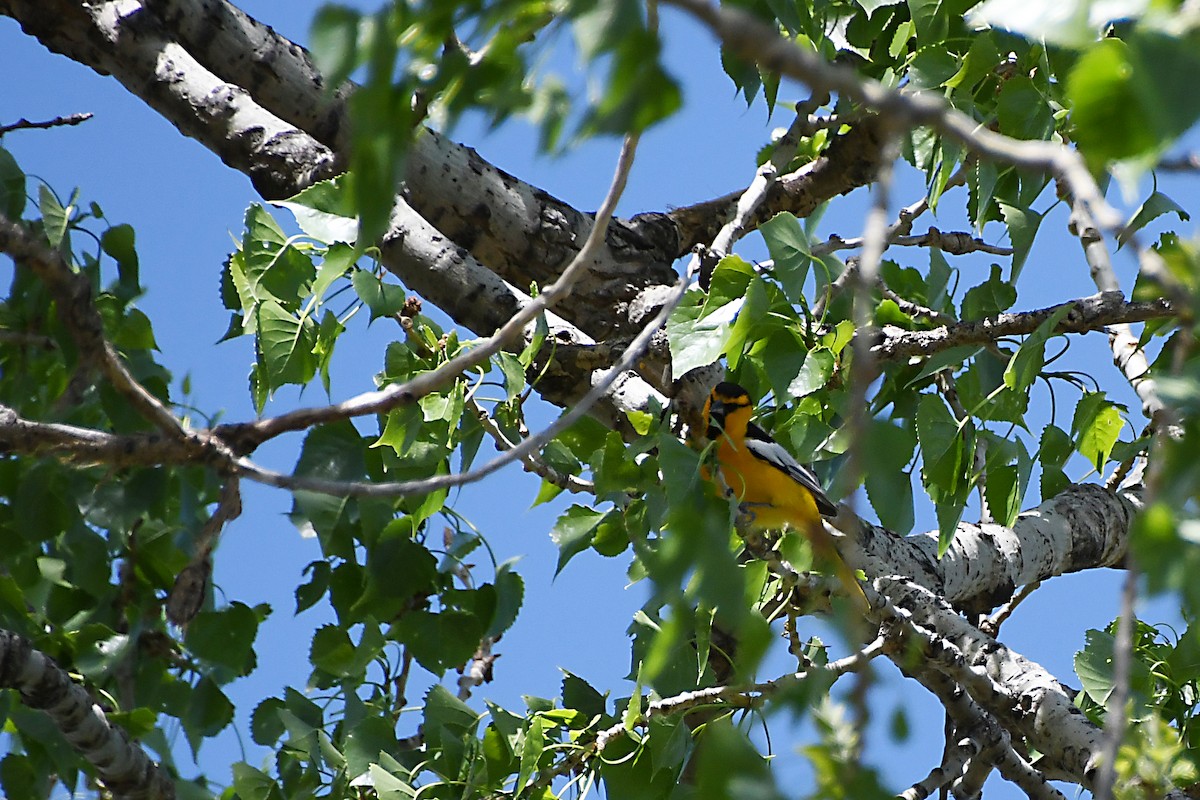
{"x": 122, "y": 766}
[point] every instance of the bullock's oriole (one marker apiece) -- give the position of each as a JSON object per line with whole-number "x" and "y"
{"x": 774, "y": 490}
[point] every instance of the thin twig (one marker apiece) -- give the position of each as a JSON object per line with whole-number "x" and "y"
{"x": 24, "y": 124}
{"x": 991, "y": 625}
{"x": 1126, "y": 348}
{"x": 944, "y": 774}
{"x": 955, "y": 243}
{"x": 756, "y": 192}
{"x": 1096, "y": 312}
{"x": 899, "y": 229}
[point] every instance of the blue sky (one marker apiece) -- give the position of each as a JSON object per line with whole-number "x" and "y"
{"x": 185, "y": 206}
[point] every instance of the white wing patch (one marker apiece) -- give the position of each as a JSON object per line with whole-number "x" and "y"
{"x": 761, "y": 445}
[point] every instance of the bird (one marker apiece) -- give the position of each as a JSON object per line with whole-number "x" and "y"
{"x": 773, "y": 489}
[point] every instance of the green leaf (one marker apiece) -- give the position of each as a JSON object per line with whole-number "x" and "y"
{"x": 948, "y": 517}
{"x": 365, "y": 740}
{"x": 325, "y": 210}
{"x": 639, "y": 92}
{"x": 286, "y": 345}
{"x": 1006, "y": 484}
{"x": 251, "y": 783}
{"x": 332, "y": 452}
{"x": 55, "y": 218}
{"x": 447, "y": 719}
{"x": 398, "y": 569}
{"x": 1155, "y": 206}
{"x": 12, "y": 190}
{"x": 729, "y": 280}
{"x": 814, "y": 373}
{"x": 1027, "y": 363}
{"x": 100, "y": 651}
{"x": 790, "y": 251}
{"x": 1133, "y": 98}
{"x": 1054, "y": 448}
{"x": 334, "y": 43}
{"x": 1097, "y": 425}
{"x": 573, "y": 533}
{"x": 388, "y": 786}
{"x": 988, "y": 298}
{"x": 513, "y": 372}
{"x": 439, "y": 641}
{"x": 731, "y": 766}
{"x": 1023, "y": 111}
{"x": 384, "y": 299}
{"x": 225, "y": 637}
{"x": 510, "y": 595}
{"x": 339, "y": 258}
{"x": 1022, "y": 225}
{"x": 208, "y": 712}
{"x": 888, "y": 451}
{"x": 118, "y": 242}
{"x": 579, "y": 695}
{"x": 937, "y": 430}
{"x": 1094, "y": 666}
{"x": 265, "y": 726}
{"x": 273, "y": 268}
{"x": 332, "y": 651}
{"x": 695, "y": 341}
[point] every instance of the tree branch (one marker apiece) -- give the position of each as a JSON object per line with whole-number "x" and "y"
{"x": 1025, "y": 699}
{"x": 24, "y": 124}
{"x": 72, "y": 293}
{"x": 761, "y": 44}
{"x": 1087, "y": 314}
{"x": 1084, "y": 527}
{"x": 123, "y": 767}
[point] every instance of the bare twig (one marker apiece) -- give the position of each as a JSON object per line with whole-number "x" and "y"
{"x": 87, "y": 446}
{"x": 756, "y": 192}
{"x": 1127, "y": 352}
{"x": 899, "y": 229}
{"x": 956, "y": 243}
{"x": 944, "y": 774}
{"x": 991, "y": 625}
{"x": 423, "y": 486}
{"x": 1097, "y": 312}
{"x": 187, "y": 595}
{"x": 24, "y": 124}
{"x": 861, "y": 282}
{"x": 1185, "y": 162}
{"x": 23, "y": 339}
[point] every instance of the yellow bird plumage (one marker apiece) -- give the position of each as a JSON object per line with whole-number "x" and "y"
{"x": 773, "y": 488}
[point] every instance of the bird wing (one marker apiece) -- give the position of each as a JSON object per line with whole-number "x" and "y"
{"x": 760, "y": 444}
